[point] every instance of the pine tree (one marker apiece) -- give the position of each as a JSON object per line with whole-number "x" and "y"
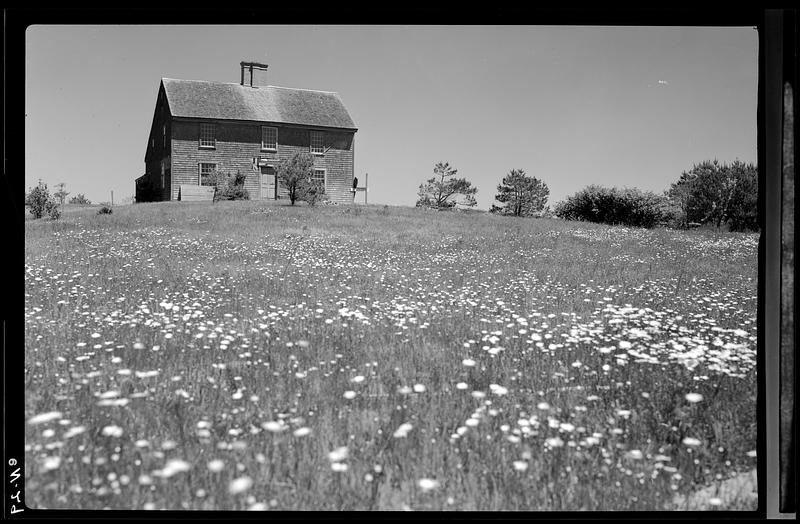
{"x": 520, "y": 195}
{"x": 442, "y": 191}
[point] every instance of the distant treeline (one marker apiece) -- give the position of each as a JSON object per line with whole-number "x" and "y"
{"x": 711, "y": 193}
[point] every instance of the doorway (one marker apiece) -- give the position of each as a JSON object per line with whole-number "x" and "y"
{"x": 268, "y": 183}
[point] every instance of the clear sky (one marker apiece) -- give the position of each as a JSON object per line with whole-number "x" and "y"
{"x": 618, "y": 106}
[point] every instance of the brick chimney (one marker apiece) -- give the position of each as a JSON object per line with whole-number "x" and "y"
{"x": 254, "y": 74}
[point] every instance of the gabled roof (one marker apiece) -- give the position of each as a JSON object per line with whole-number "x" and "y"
{"x": 216, "y": 100}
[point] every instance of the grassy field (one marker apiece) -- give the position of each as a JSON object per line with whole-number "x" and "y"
{"x": 247, "y": 356}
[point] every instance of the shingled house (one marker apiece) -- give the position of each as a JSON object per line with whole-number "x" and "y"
{"x": 246, "y": 127}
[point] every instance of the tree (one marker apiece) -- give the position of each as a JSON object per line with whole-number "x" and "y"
{"x": 714, "y": 193}
{"x": 41, "y": 202}
{"x": 520, "y": 195}
{"x": 295, "y": 173}
{"x": 61, "y": 194}
{"x": 442, "y": 190}
{"x": 80, "y": 199}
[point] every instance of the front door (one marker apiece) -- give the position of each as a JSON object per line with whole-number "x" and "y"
{"x": 268, "y": 183}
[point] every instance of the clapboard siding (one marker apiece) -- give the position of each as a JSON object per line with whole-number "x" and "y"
{"x": 237, "y": 143}
{"x": 191, "y": 193}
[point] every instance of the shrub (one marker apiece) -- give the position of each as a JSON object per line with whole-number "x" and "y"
{"x": 313, "y": 192}
{"x": 629, "y": 207}
{"x": 79, "y": 199}
{"x": 42, "y": 203}
{"x": 228, "y": 186}
{"x": 105, "y": 210}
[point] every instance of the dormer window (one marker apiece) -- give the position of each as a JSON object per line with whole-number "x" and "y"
{"x": 269, "y": 138}
{"x": 317, "y": 143}
{"x": 207, "y": 136}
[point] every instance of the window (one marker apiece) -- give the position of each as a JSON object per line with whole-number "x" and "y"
{"x": 319, "y": 177}
{"x": 205, "y": 174}
{"x": 317, "y": 142}
{"x": 164, "y": 136}
{"x": 207, "y": 136}
{"x": 163, "y": 170}
{"x": 269, "y": 138}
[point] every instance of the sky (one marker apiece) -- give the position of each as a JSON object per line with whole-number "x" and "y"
{"x": 570, "y": 105}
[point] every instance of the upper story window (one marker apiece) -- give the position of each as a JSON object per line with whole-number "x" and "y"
{"x": 269, "y": 138}
{"x": 164, "y": 136}
{"x": 207, "y": 135}
{"x": 317, "y": 143}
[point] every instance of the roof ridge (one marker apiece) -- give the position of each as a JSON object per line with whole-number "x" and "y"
{"x": 238, "y": 84}
{"x": 302, "y": 89}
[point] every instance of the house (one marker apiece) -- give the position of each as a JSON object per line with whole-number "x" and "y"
{"x": 247, "y": 127}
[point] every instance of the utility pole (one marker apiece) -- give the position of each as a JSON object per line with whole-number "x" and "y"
{"x": 112, "y": 198}
{"x": 366, "y": 187}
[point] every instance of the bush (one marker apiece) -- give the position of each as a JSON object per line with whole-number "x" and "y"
{"x": 313, "y": 192}
{"x": 629, "y": 207}
{"x": 80, "y": 199}
{"x": 42, "y": 203}
{"x": 105, "y": 210}
{"x": 229, "y": 187}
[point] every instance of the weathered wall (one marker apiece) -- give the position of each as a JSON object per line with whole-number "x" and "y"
{"x": 237, "y": 143}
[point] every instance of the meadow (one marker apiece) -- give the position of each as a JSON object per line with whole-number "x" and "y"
{"x": 245, "y": 356}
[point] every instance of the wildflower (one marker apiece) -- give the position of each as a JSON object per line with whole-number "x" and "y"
{"x": 302, "y": 432}
{"x": 462, "y": 385}
{"x": 498, "y": 390}
{"x": 77, "y": 430}
{"x": 51, "y": 463}
{"x": 240, "y": 485}
{"x": 403, "y": 430}
{"x": 274, "y": 426}
{"x": 691, "y": 441}
{"x": 44, "y": 417}
{"x": 338, "y": 455}
{"x": 175, "y": 466}
{"x": 419, "y": 388}
{"x": 427, "y": 484}
{"x": 468, "y": 362}
{"x": 554, "y": 442}
{"x": 520, "y": 465}
{"x": 216, "y": 465}
{"x": 349, "y": 395}
{"x": 694, "y": 397}
{"x": 338, "y": 467}
{"x": 112, "y": 431}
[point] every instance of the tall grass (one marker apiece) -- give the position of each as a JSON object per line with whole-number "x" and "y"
{"x": 199, "y": 356}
